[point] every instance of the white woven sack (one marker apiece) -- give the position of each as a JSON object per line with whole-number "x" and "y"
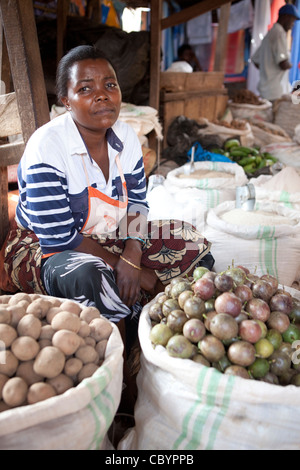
{"x": 245, "y": 135}
{"x": 188, "y": 199}
{"x": 289, "y": 199}
{"x": 184, "y": 405}
{"x": 286, "y": 152}
{"x": 262, "y": 248}
{"x": 76, "y": 420}
{"x": 218, "y": 183}
{"x": 184, "y": 204}
{"x": 262, "y": 111}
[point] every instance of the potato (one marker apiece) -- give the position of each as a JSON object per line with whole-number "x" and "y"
{"x": 40, "y": 391}
{"x": 67, "y": 341}
{"x": 25, "y": 348}
{"x": 26, "y": 372}
{"x": 89, "y": 313}
{"x": 39, "y": 307}
{"x": 29, "y": 325}
{"x": 84, "y": 329}
{"x": 14, "y": 392}
{"x": 51, "y": 314}
{"x": 5, "y": 315}
{"x": 73, "y": 366}
{"x": 101, "y": 348}
{"x": 61, "y": 383}
{"x": 3, "y": 380}
{"x": 4, "y": 299}
{"x": 8, "y": 363}
{"x": 17, "y": 312}
{"x": 87, "y": 371}
{"x": 71, "y": 306}
{"x": 14, "y": 299}
{"x": 100, "y": 329}
{"x": 54, "y": 301}
{"x": 87, "y": 354}
{"x": 90, "y": 341}
{"x": 23, "y": 303}
{"x": 49, "y": 362}
{"x": 66, "y": 321}
{"x": 7, "y": 334}
{"x": 45, "y": 342}
{"x": 47, "y": 332}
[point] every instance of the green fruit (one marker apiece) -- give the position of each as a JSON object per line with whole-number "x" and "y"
{"x": 275, "y": 338}
{"x": 231, "y": 143}
{"x": 264, "y": 348}
{"x": 160, "y": 334}
{"x": 259, "y": 368}
{"x": 180, "y": 346}
{"x": 250, "y": 150}
{"x": 291, "y": 334}
{"x": 199, "y": 272}
{"x": 236, "y": 152}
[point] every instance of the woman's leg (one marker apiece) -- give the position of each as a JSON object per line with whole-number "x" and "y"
{"x": 85, "y": 278}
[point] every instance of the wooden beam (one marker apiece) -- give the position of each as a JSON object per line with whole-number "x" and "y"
{"x": 10, "y": 154}
{"x": 155, "y": 53}
{"x": 18, "y": 20}
{"x": 155, "y": 65}
{"x": 191, "y": 12}
{"x": 61, "y": 22}
{"x": 222, "y": 39}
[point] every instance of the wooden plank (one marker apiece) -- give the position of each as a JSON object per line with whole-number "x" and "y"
{"x": 191, "y": 12}
{"x": 155, "y": 53}
{"x": 10, "y": 154}
{"x": 221, "y": 45}
{"x": 183, "y": 95}
{"x": 155, "y": 64}
{"x": 18, "y": 20}
{"x": 10, "y": 123}
{"x": 61, "y": 18}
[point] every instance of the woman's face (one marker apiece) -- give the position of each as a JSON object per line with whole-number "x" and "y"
{"x": 94, "y": 96}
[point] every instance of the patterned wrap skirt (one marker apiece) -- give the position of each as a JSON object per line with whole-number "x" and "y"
{"x": 173, "y": 248}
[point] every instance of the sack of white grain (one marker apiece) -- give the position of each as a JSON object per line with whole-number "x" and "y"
{"x": 78, "y": 418}
{"x": 283, "y": 188}
{"x": 264, "y": 240}
{"x": 183, "y": 405}
{"x": 188, "y": 197}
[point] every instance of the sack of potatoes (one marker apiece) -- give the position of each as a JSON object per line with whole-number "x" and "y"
{"x": 60, "y": 368}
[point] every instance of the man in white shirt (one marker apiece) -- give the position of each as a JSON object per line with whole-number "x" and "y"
{"x": 272, "y": 57}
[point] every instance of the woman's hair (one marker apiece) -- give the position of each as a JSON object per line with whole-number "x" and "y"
{"x": 67, "y": 61}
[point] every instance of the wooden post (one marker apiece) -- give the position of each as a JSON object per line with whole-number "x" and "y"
{"x": 18, "y": 20}
{"x": 61, "y": 19}
{"x": 222, "y": 37}
{"x": 155, "y": 63}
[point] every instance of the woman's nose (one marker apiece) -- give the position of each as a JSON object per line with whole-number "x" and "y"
{"x": 100, "y": 95}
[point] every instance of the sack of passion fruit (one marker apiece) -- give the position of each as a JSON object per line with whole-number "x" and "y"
{"x": 233, "y": 386}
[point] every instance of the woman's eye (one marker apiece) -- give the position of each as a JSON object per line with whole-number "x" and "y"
{"x": 83, "y": 89}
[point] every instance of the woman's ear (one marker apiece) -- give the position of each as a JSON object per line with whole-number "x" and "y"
{"x": 65, "y": 102}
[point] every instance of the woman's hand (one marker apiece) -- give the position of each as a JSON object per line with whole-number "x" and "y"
{"x": 128, "y": 281}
